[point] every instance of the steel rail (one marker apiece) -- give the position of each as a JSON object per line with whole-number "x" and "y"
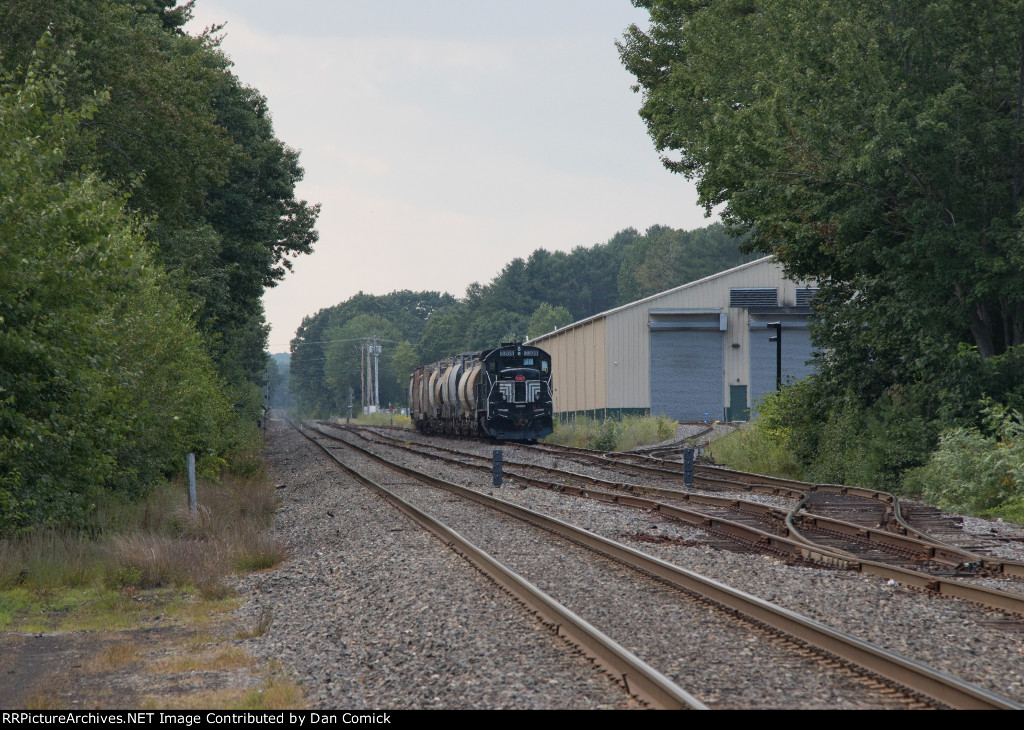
{"x": 915, "y": 676}
{"x": 639, "y": 678}
{"x": 895, "y": 541}
{"x": 943, "y": 550}
{"x": 793, "y": 543}
{"x": 635, "y": 498}
{"x": 715, "y": 476}
{"x": 1009, "y": 568}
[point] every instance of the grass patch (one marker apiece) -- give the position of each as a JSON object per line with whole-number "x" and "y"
{"x": 613, "y": 435}
{"x": 50, "y": 559}
{"x": 260, "y": 626}
{"x": 98, "y": 608}
{"x": 42, "y": 701}
{"x": 751, "y": 449}
{"x": 276, "y": 692}
{"x": 223, "y": 659}
{"x": 379, "y": 419}
{"x": 141, "y": 560}
{"x": 153, "y": 565}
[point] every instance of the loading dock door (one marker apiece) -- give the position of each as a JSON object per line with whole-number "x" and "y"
{"x": 796, "y": 351}
{"x": 687, "y": 369}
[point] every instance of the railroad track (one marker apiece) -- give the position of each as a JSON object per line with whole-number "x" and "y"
{"x": 889, "y": 513}
{"x": 882, "y": 668}
{"x": 792, "y": 535}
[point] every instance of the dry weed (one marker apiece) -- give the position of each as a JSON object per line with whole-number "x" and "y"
{"x": 209, "y": 660}
{"x": 260, "y": 627}
{"x": 115, "y": 656}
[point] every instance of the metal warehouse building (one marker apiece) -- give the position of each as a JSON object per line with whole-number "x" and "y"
{"x": 698, "y": 352}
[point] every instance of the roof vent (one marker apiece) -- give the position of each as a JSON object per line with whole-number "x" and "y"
{"x": 804, "y": 296}
{"x": 760, "y": 297}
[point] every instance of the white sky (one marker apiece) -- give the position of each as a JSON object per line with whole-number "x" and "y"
{"x": 446, "y": 137}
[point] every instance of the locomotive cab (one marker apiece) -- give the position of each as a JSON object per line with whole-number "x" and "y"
{"x": 518, "y": 400}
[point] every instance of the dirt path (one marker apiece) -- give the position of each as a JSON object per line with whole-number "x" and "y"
{"x": 154, "y": 666}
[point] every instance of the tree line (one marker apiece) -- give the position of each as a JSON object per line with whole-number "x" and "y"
{"x": 527, "y": 298}
{"x": 878, "y": 147}
{"x": 146, "y": 204}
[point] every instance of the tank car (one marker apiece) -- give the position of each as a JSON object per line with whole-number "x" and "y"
{"x": 503, "y": 393}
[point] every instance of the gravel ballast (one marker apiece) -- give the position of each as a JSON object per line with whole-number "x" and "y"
{"x": 370, "y": 611}
{"x": 979, "y": 645}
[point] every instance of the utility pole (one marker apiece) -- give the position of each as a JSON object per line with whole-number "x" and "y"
{"x": 376, "y": 374}
{"x": 362, "y": 377}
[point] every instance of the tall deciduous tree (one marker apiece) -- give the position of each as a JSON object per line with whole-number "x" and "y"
{"x": 191, "y": 146}
{"x": 104, "y": 382}
{"x": 876, "y": 145}
{"x": 664, "y": 258}
{"x": 547, "y": 319}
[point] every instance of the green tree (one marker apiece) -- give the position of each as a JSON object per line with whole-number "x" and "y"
{"x": 445, "y": 333}
{"x": 547, "y": 319}
{"x": 664, "y": 258}
{"x": 404, "y": 359}
{"x": 875, "y": 145}
{"x": 104, "y": 383}
{"x": 346, "y": 366}
{"x": 490, "y": 329}
{"x": 195, "y": 151}
{"x": 408, "y": 311}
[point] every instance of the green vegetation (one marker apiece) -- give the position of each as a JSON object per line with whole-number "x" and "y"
{"x": 530, "y": 297}
{"x": 977, "y": 471}
{"x": 611, "y": 434}
{"x": 131, "y": 328}
{"x": 761, "y": 446}
{"x": 59, "y": 579}
{"x": 382, "y": 419}
{"x": 877, "y": 148}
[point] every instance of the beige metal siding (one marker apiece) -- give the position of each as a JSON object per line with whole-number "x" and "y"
{"x": 578, "y": 366}
{"x": 737, "y": 359}
{"x": 628, "y": 359}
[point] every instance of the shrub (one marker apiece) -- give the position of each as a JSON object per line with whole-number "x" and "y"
{"x": 978, "y": 470}
{"x": 755, "y": 448}
{"x": 611, "y": 434}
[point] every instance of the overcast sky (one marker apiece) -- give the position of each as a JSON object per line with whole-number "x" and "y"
{"x": 446, "y": 137}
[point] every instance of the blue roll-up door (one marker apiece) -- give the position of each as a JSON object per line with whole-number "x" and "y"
{"x": 686, "y": 374}
{"x": 796, "y": 352}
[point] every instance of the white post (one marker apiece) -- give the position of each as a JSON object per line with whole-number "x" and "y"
{"x": 190, "y": 461}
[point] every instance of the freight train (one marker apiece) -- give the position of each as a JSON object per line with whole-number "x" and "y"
{"x": 503, "y": 393}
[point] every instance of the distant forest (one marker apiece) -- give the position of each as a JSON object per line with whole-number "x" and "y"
{"x": 526, "y": 299}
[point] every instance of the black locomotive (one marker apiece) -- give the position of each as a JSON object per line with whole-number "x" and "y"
{"x": 503, "y": 393}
